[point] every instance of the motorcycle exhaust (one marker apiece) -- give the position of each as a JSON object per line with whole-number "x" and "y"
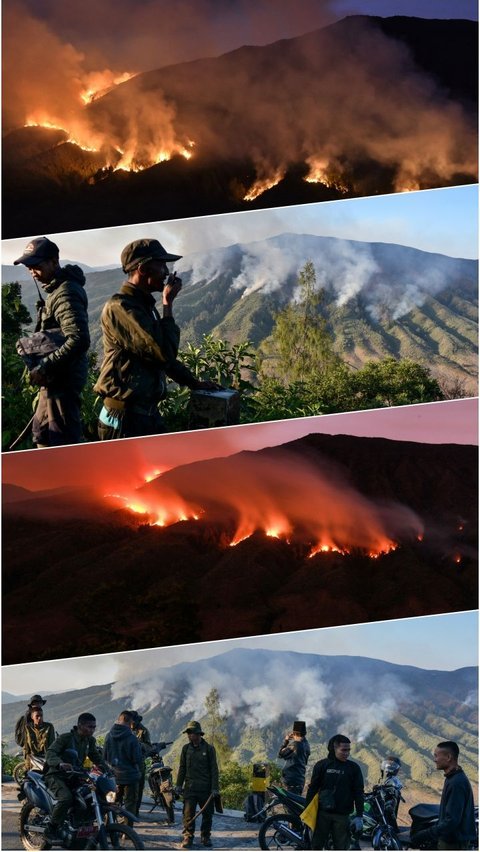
{"x": 290, "y": 833}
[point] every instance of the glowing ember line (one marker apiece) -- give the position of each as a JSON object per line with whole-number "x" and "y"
{"x": 261, "y": 186}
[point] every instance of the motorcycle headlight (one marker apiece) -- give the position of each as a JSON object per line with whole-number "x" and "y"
{"x": 111, "y": 796}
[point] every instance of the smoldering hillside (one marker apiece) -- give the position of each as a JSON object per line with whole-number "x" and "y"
{"x": 379, "y": 299}
{"x": 184, "y": 582}
{"x": 364, "y": 106}
{"x": 384, "y": 708}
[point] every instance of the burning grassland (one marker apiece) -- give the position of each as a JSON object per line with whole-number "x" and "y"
{"x": 288, "y": 499}
{"x": 349, "y": 102}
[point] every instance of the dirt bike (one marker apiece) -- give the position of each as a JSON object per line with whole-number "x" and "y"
{"x": 20, "y": 770}
{"x": 91, "y": 821}
{"x": 380, "y": 815}
{"x": 160, "y": 782}
{"x": 284, "y": 830}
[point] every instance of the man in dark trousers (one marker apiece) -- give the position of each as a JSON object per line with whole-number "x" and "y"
{"x": 197, "y": 781}
{"x": 140, "y": 347}
{"x": 122, "y": 750}
{"x": 62, "y": 373}
{"x": 81, "y": 740}
{"x": 455, "y": 828}
{"x": 339, "y": 784}
{"x": 295, "y": 751}
{"x": 143, "y": 736}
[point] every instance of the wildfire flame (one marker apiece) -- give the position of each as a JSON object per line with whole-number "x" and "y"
{"x": 321, "y": 171}
{"x": 288, "y": 499}
{"x": 261, "y": 186}
{"x": 100, "y": 82}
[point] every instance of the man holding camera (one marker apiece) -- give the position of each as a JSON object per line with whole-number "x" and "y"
{"x": 140, "y": 346}
{"x": 295, "y": 751}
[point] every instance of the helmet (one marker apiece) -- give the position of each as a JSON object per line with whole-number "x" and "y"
{"x": 390, "y": 766}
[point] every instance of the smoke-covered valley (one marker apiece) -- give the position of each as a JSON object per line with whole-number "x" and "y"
{"x": 382, "y": 707}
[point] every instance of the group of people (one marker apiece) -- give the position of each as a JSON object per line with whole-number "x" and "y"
{"x": 140, "y": 346}
{"x": 126, "y": 747}
{"x": 336, "y": 779}
{"x": 338, "y": 782}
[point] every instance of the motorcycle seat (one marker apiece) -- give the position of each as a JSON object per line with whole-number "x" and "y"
{"x": 424, "y": 811}
{"x": 300, "y": 800}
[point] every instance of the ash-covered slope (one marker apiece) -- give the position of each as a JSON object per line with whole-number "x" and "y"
{"x": 364, "y": 106}
{"x": 184, "y": 583}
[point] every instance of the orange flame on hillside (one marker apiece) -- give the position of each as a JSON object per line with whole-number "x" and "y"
{"x": 260, "y": 186}
{"x": 98, "y": 83}
{"x": 321, "y": 171}
{"x": 287, "y": 499}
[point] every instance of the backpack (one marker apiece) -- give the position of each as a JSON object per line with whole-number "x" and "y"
{"x": 253, "y": 804}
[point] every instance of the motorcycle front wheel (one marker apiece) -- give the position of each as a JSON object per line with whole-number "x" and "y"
{"x": 121, "y": 837}
{"x": 30, "y": 818}
{"x": 272, "y": 834}
{"x": 386, "y": 840}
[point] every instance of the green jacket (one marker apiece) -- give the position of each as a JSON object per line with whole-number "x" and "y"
{"x": 198, "y": 770}
{"x": 85, "y": 746}
{"x": 66, "y": 308}
{"x": 35, "y": 740}
{"x": 140, "y": 347}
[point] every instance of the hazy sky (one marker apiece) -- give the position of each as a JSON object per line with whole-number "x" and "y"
{"x": 437, "y": 220}
{"x": 436, "y": 422}
{"x": 144, "y": 34}
{"x": 442, "y": 642}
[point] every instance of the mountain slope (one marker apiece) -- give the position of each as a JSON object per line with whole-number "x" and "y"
{"x": 365, "y": 106}
{"x": 382, "y": 706}
{"x": 189, "y": 585}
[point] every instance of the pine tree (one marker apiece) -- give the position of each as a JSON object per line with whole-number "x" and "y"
{"x": 300, "y": 346}
{"x": 216, "y": 727}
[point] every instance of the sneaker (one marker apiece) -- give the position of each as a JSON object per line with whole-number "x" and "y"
{"x": 207, "y": 842}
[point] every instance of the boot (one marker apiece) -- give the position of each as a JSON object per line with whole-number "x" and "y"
{"x": 187, "y": 842}
{"x": 206, "y": 841}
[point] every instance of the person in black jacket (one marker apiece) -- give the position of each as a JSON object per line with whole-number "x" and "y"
{"x": 339, "y": 783}
{"x": 455, "y": 828}
{"x": 295, "y": 751}
{"x": 122, "y": 750}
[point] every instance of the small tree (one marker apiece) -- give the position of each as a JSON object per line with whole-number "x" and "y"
{"x": 300, "y": 346}
{"x": 18, "y": 396}
{"x": 215, "y": 725}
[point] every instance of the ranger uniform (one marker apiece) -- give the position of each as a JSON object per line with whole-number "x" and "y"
{"x": 198, "y": 776}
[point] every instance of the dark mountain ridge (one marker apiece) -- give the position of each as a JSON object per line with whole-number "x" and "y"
{"x": 184, "y": 583}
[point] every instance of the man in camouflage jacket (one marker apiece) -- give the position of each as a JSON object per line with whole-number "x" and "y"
{"x": 81, "y": 740}
{"x": 61, "y": 374}
{"x": 140, "y": 347}
{"x": 33, "y": 734}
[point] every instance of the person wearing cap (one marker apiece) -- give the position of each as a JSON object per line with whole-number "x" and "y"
{"x": 140, "y": 347}
{"x": 197, "y": 781}
{"x": 61, "y": 374}
{"x": 143, "y": 736}
{"x": 295, "y": 751}
{"x": 32, "y": 733}
{"x": 123, "y": 751}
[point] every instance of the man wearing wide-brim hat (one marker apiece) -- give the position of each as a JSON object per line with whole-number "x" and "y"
{"x": 197, "y": 781}
{"x": 140, "y": 346}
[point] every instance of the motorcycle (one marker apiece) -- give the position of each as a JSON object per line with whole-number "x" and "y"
{"x": 20, "y": 770}
{"x": 161, "y": 783}
{"x": 284, "y": 830}
{"x": 380, "y": 814}
{"x": 425, "y": 816}
{"x": 91, "y": 821}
